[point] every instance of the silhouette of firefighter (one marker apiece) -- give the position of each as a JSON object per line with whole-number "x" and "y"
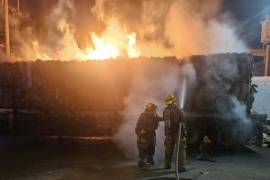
{"x": 146, "y": 136}
{"x": 172, "y": 118}
{"x": 206, "y": 148}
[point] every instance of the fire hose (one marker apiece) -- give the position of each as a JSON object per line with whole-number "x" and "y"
{"x": 178, "y": 144}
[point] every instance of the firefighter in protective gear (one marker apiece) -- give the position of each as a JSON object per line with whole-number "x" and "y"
{"x": 172, "y": 118}
{"x": 146, "y": 136}
{"x": 206, "y": 150}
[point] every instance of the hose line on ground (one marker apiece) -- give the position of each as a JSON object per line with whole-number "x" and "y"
{"x": 177, "y": 151}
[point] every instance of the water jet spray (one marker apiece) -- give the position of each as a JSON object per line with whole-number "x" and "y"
{"x": 182, "y": 101}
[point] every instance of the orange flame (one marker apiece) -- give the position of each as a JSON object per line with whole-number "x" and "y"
{"x": 107, "y": 47}
{"x": 104, "y": 48}
{"x": 113, "y": 43}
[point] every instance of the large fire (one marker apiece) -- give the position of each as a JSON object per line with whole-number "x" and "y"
{"x": 107, "y": 47}
{"x": 113, "y": 43}
{"x": 110, "y": 30}
{"x": 103, "y": 48}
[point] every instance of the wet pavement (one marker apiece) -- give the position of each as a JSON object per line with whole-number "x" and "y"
{"x": 103, "y": 161}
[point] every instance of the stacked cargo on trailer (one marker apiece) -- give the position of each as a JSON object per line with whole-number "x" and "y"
{"x": 86, "y": 98}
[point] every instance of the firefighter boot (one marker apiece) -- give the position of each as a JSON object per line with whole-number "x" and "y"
{"x": 150, "y": 160}
{"x": 167, "y": 165}
{"x": 141, "y": 163}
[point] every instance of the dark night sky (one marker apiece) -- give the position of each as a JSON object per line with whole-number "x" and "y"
{"x": 248, "y": 15}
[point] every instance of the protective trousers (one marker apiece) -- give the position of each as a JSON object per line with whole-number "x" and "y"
{"x": 146, "y": 149}
{"x": 170, "y": 144}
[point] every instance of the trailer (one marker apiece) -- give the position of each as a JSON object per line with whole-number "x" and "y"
{"x": 73, "y": 98}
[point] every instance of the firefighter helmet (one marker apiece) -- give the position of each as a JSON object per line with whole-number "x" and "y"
{"x": 150, "y": 107}
{"x": 170, "y": 99}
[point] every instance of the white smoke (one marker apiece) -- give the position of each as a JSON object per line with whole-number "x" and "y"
{"x": 225, "y": 83}
{"x": 187, "y": 83}
{"x": 146, "y": 86}
{"x": 163, "y": 28}
{"x": 218, "y": 76}
{"x": 190, "y": 32}
{"x": 57, "y": 41}
{"x": 149, "y": 84}
{"x": 239, "y": 110}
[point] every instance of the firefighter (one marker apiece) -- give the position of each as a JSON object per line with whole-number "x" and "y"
{"x": 206, "y": 149}
{"x": 172, "y": 118}
{"x": 146, "y": 136}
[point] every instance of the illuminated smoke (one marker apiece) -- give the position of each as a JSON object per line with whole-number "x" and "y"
{"x": 101, "y": 29}
{"x": 128, "y": 29}
{"x": 150, "y": 84}
{"x": 220, "y": 77}
{"x": 225, "y": 76}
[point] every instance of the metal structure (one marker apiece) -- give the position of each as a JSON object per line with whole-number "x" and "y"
{"x": 7, "y": 37}
{"x": 86, "y": 99}
{"x": 2, "y": 34}
{"x": 5, "y": 41}
{"x": 265, "y": 40}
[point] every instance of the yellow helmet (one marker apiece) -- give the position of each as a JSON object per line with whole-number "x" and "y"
{"x": 150, "y": 106}
{"x": 170, "y": 99}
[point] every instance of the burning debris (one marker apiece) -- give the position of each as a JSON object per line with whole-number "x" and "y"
{"x": 102, "y": 29}
{"x": 84, "y": 69}
{"x": 78, "y": 90}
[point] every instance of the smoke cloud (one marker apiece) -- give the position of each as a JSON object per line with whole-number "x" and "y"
{"x": 223, "y": 74}
{"x": 178, "y": 28}
{"x": 226, "y": 78}
{"x": 150, "y": 84}
{"x": 62, "y": 29}
{"x": 146, "y": 86}
{"x": 57, "y": 39}
{"x": 215, "y": 83}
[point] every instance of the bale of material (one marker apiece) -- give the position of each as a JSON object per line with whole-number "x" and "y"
{"x": 104, "y": 84}
{"x": 54, "y": 87}
{"x": 221, "y": 77}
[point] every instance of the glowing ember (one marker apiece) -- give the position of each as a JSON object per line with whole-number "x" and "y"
{"x": 132, "y": 51}
{"x": 114, "y": 42}
{"x": 103, "y": 48}
{"x": 108, "y": 47}
{"x": 38, "y": 53}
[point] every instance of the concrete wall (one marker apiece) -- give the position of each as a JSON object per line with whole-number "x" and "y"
{"x": 262, "y": 98}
